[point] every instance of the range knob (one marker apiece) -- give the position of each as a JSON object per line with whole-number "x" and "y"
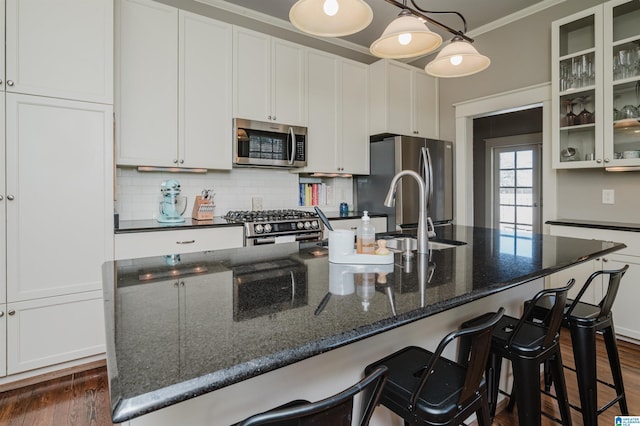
{"x": 307, "y": 224}
{"x": 258, "y": 228}
{"x": 315, "y": 224}
{"x": 267, "y": 228}
{"x": 299, "y": 225}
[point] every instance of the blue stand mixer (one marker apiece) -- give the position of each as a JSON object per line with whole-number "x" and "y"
{"x": 172, "y": 204}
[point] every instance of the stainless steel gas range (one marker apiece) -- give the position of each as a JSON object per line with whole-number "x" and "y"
{"x": 276, "y": 226}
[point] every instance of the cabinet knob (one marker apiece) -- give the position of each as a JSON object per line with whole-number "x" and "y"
{"x": 175, "y": 161}
{"x": 0, "y": 81}
{"x": 1, "y": 314}
{"x": 10, "y": 197}
{"x": 604, "y": 259}
{"x": 598, "y": 161}
{"x": 269, "y": 117}
{"x": 606, "y": 160}
{"x": 9, "y": 82}
{"x": 274, "y": 118}
{"x": 181, "y": 161}
{"x": 12, "y": 312}
{"x": 181, "y": 283}
{"x": 1, "y": 198}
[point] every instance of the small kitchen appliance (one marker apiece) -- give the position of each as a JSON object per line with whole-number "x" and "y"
{"x": 172, "y": 204}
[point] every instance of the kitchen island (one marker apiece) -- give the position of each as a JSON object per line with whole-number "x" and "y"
{"x": 210, "y": 338}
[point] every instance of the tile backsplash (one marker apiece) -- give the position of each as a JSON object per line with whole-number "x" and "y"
{"x": 138, "y": 193}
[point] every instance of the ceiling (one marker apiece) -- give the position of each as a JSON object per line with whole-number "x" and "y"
{"x": 478, "y": 13}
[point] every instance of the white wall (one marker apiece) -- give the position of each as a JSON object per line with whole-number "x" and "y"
{"x": 138, "y": 192}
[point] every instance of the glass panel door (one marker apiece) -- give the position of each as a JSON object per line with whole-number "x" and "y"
{"x": 516, "y": 188}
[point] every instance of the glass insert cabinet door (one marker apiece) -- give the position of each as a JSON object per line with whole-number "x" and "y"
{"x": 577, "y": 86}
{"x": 622, "y": 82}
{"x": 596, "y": 87}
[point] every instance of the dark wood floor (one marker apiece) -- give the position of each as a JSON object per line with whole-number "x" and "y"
{"x": 82, "y": 399}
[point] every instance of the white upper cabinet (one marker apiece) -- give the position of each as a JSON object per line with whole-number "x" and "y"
{"x": 61, "y": 48}
{"x": 173, "y": 90}
{"x": 354, "y": 98}
{"x": 404, "y": 100}
{"x": 270, "y": 78}
{"x": 595, "y": 80}
{"x": 146, "y": 81}
{"x": 205, "y": 94}
{"x": 338, "y": 139}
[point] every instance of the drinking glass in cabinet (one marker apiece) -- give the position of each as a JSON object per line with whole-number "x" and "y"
{"x": 626, "y": 61}
{"x": 569, "y": 118}
{"x": 577, "y": 72}
{"x": 585, "y": 116}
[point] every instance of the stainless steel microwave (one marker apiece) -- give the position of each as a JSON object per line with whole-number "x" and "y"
{"x": 263, "y": 144}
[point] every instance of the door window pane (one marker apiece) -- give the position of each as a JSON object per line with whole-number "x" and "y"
{"x": 507, "y": 214}
{"x": 525, "y": 177}
{"x": 525, "y": 215}
{"x": 507, "y": 196}
{"x": 507, "y": 160}
{"x": 524, "y": 196}
{"x": 507, "y": 178}
{"x": 525, "y": 159}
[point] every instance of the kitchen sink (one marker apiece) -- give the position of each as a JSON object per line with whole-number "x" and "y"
{"x": 403, "y": 244}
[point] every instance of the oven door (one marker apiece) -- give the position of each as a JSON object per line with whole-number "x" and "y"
{"x": 269, "y": 287}
{"x": 269, "y": 144}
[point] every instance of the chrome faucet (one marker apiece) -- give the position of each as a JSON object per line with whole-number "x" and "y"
{"x": 423, "y": 236}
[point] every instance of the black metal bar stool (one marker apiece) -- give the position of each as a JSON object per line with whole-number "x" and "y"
{"x": 426, "y": 388}
{"x": 585, "y": 320}
{"x": 527, "y": 345}
{"x": 334, "y": 410}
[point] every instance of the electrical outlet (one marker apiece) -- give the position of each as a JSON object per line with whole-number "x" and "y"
{"x": 607, "y": 196}
{"x": 256, "y": 203}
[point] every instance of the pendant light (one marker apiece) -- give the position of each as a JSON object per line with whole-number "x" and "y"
{"x": 331, "y": 18}
{"x": 405, "y": 37}
{"x": 458, "y": 59}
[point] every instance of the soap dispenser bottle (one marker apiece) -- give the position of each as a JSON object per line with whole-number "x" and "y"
{"x": 366, "y": 236}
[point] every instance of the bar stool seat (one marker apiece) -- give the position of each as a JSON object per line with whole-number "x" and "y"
{"x": 333, "y": 410}
{"x": 585, "y": 320}
{"x": 528, "y": 344}
{"x": 426, "y": 388}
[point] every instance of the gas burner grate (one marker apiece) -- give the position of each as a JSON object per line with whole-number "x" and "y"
{"x": 268, "y": 215}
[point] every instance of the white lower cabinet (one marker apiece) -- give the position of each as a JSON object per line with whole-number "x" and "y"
{"x": 49, "y": 331}
{"x": 145, "y": 244}
{"x": 624, "y": 307}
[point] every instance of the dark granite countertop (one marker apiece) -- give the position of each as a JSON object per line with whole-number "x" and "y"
{"x": 179, "y": 328}
{"x": 356, "y": 214}
{"x": 596, "y": 224}
{"x": 152, "y": 225}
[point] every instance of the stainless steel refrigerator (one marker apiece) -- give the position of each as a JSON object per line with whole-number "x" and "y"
{"x": 391, "y": 154}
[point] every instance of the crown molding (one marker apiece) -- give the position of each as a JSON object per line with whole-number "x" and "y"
{"x": 531, "y": 10}
{"x": 281, "y": 23}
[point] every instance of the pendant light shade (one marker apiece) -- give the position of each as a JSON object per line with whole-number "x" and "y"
{"x": 458, "y": 59}
{"x": 405, "y": 37}
{"x": 330, "y": 18}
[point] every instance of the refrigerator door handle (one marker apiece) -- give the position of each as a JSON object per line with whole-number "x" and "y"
{"x": 426, "y": 169}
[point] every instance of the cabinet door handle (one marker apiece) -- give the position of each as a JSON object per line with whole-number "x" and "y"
{"x": 186, "y": 242}
{"x": 12, "y": 312}
{"x": 9, "y": 82}
{"x": 10, "y": 197}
